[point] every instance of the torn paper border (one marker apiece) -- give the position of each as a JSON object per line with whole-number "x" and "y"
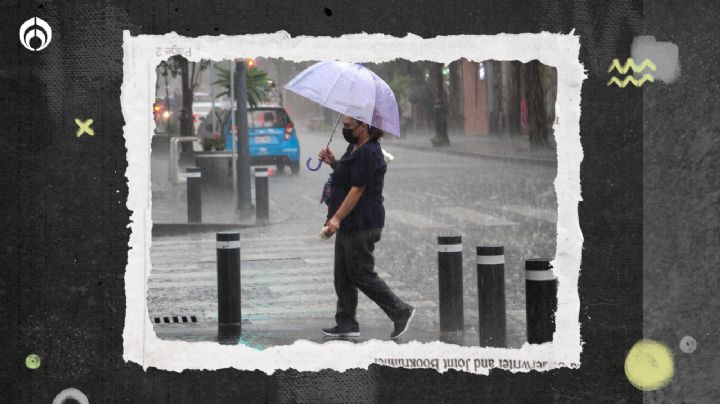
{"x": 143, "y": 53}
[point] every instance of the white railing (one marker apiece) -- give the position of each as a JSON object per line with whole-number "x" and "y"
{"x": 177, "y": 177}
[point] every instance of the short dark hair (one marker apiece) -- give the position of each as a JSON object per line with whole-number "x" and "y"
{"x": 375, "y": 133}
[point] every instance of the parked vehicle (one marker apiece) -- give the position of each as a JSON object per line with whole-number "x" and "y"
{"x": 271, "y": 134}
{"x": 202, "y": 103}
{"x": 161, "y": 115}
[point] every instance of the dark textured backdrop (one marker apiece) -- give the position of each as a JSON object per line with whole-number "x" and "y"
{"x": 681, "y": 203}
{"x": 65, "y": 220}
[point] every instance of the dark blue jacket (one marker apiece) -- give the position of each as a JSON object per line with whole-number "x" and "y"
{"x": 364, "y": 167}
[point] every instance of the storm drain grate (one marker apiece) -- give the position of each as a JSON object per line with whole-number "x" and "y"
{"x": 175, "y": 319}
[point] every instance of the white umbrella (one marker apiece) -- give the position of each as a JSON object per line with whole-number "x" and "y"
{"x": 351, "y": 90}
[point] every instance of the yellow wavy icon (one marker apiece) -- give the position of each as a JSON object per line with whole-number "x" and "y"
{"x": 630, "y": 79}
{"x": 630, "y": 64}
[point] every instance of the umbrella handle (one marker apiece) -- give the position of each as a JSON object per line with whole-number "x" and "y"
{"x": 307, "y": 164}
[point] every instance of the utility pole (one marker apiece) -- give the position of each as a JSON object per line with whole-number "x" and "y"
{"x": 441, "y": 136}
{"x": 245, "y": 205}
{"x": 211, "y": 78}
{"x": 185, "y": 115}
{"x": 233, "y": 134}
{"x": 186, "y": 125}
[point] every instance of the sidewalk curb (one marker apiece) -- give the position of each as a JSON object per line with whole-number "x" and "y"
{"x": 528, "y": 160}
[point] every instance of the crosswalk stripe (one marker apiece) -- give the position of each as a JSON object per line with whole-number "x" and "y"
{"x": 245, "y": 249}
{"x": 413, "y": 219}
{"x": 363, "y": 314}
{"x": 300, "y": 309}
{"x": 171, "y": 259}
{"x": 211, "y": 240}
{"x": 318, "y": 261}
{"x": 257, "y": 280}
{"x": 282, "y": 278}
{"x": 299, "y": 296}
{"x": 467, "y": 215}
{"x": 244, "y": 271}
{"x": 246, "y": 280}
{"x": 275, "y": 285}
{"x": 328, "y": 300}
{"x": 547, "y": 215}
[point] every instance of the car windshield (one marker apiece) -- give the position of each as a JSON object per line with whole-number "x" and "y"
{"x": 258, "y": 118}
{"x": 201, "y": 98}
{"x": 266, "y": 118}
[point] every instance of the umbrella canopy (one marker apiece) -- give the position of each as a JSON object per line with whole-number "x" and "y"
{"x": 351, "y": 90}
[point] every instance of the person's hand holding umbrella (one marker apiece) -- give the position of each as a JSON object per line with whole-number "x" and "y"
{"x": 326, "y": 156}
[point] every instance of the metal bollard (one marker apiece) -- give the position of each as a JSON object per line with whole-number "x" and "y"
{"x": 491, "y": 296}
{"x": 450, "y": 279}
{"x": 228, "y": 277}
{"x": 194, "y": 195}
{"x": 541, "y": 300}
{"x": 262, "y": 197}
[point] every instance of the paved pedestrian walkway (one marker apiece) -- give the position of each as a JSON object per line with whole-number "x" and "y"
{"x": 287, "y": 291}
{"x": 287, "y": 294}
{"x": 287, "y": 280}
{"x": 516, "y": 148}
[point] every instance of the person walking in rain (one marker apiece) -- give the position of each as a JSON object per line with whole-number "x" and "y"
{"x": 356, "y": 216}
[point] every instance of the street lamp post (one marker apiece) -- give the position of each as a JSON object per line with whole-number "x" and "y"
{"x": 186, "y": 128}
{"x": 441, "y": 136}
{"x": 243, "y": 146}
{"x": 233, "y": 133}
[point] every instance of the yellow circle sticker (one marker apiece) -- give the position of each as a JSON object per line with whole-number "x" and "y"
{"x": 32, "y": 361}
{"x": 649, "y": 365}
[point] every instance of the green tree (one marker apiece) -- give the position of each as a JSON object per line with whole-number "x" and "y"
{"x": 190, "y": 73}
{"x": 258, "y": 85}
{"x": 536, "y": 107}
{"x": 399, "y": 86}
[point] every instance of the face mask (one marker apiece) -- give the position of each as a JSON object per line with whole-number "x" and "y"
{"x": 348, "y": 135}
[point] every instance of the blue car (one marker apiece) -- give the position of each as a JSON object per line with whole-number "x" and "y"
{"x": 272, "y": 136}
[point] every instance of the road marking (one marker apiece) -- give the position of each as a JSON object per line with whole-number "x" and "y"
{"x": 466, "y": 215}
{"x": 547, "y": 215}
{"x": 256, "y": 279}
{"x": 245, "y": 247}
{"x": 413, "y": 219}
{"x": 173, "y": 259}
{"x": 249, "y": 272}
{"x": 180, "y": 302}
{"x": 211, "y": 240}
{"x": 281, "y": 278}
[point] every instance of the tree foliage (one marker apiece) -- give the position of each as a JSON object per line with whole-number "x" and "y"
{"x": 258, "y": 85}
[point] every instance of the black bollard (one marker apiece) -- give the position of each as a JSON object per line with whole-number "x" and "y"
{"x": 262, "y": 197}
{"x": 541, "y": 300}
{"x": 194, "y": 195}
{"x": 491, "y": 296}
{"x": 228, "y": 276}
{"x": 450, "y": 279}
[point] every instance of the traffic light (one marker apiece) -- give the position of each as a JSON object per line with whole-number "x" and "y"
{"x": 250, "y": 62}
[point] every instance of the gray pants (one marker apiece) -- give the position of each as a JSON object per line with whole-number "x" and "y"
{"x": 355, "y": 269}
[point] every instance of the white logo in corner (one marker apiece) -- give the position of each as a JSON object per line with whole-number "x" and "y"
{"x": 35, "y": 34}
